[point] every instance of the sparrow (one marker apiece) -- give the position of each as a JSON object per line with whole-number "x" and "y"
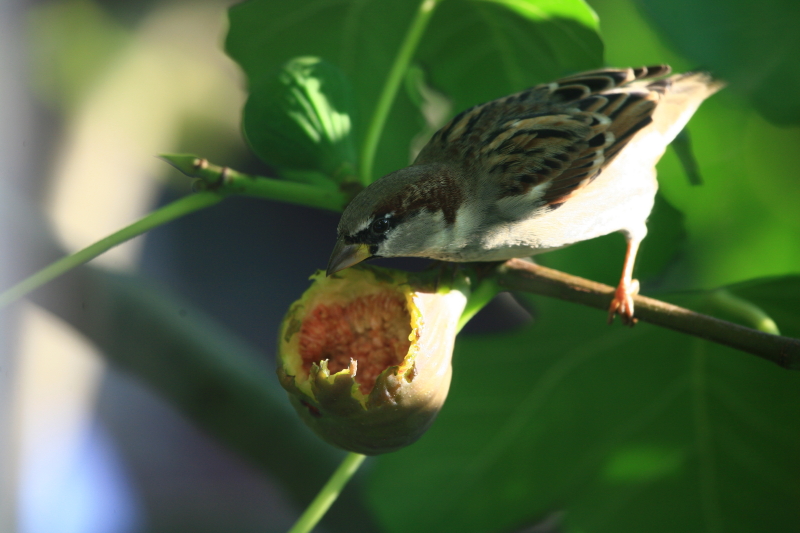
{"x": 532, "y": 172}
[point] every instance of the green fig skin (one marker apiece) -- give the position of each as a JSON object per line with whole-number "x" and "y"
{"x": 405, "y": 398}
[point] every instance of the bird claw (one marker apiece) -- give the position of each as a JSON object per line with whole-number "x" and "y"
{"x": 622, "y": 303}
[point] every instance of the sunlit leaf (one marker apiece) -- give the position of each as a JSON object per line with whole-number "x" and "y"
{"x": 472, "y": 51}
{"x": 301, "y": 118}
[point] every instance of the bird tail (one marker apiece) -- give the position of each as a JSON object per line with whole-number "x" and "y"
{"x": 680, "y": 96}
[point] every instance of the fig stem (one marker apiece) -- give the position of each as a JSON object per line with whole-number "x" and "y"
{"x": 486, "y": 290}
{"x": 521, "y": 275}
{"x": 328, "y": 494}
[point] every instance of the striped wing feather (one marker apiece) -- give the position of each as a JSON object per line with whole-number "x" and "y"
{"x": 547, "y": 142}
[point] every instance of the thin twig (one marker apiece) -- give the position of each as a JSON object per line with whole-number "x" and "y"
{"x": 227, "y": 181}
{"x": 520, "y": 275}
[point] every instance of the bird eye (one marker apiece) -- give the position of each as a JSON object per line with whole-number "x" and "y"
{"x": 380, "y": 226}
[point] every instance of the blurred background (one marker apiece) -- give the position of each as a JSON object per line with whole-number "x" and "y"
{"x": 90, "y": 92}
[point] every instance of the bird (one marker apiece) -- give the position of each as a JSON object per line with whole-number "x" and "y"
{"x": 532, "y": 172}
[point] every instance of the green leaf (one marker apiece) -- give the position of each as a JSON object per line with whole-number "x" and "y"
{"x": 752, "y": 45}
{"x": 622, "y": 429}
{"x": 473, "y": 50}
{"x": 435, "y": 108}
{"x": 301, "y": 119}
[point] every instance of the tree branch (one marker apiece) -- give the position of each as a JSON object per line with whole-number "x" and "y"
{"x": 520, "y": 275}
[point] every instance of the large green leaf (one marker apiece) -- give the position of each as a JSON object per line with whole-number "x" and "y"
{"x": 473, "y": 50}
{"x": 753, "y": 45}
{"x": 478, "y": 50}
{"x": 624, "y": 430}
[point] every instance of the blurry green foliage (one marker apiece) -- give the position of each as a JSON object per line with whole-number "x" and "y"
{"x": 752, "y": 45}
{"x": 72, "y": 43}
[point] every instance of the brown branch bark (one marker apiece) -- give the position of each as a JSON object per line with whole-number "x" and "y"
{"x": 520, "y": 275}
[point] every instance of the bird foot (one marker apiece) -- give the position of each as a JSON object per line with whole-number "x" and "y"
{"x": 622, "y": 303}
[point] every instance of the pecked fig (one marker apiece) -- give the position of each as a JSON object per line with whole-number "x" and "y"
{"x": 365, "y": 356}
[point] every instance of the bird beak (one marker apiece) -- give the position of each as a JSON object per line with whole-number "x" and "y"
{"x": 346, "y": 255}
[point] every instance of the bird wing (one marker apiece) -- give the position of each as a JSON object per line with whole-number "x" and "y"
{"x": 546, "y": 143}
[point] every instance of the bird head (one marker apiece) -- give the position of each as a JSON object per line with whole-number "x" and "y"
{"x": 403, "y": 214}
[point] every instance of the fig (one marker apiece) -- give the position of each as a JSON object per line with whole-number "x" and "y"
{"x": 365, "y": 356}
